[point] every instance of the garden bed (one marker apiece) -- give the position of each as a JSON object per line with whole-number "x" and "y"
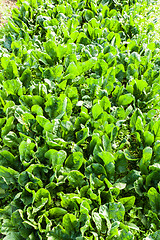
{"x": 79, "y": 121}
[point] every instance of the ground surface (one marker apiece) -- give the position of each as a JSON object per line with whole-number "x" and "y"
{"x": 6, "y": 7}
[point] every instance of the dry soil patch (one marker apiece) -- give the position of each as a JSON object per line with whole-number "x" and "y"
{"x": 6, "y": 7}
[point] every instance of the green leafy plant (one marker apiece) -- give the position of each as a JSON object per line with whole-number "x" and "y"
{"x": 79, "y": 118}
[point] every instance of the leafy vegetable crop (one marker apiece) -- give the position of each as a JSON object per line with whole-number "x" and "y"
{"x": 79, "y": 118}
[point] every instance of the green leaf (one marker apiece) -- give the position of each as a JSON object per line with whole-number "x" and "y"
{"x": 29, "y": 100}
{"x": 13, "y": 87}
{"x": 57, "y": 158}
{"x": 154, "y": 199}
{"x": 149, "y": 138}
{"x": 2, "y": 121}
{"x": 128, "y": 202}
{"x": 105, "y": 103}
{"x": 62, "y": 106}
{"x": 125, "y": 99}
{"x": 70, "y": 224}
{"x": 141, "y": 84}
{"x": 7, "y": 127}
{"x": 13, "y": 236}
{"x": 109, "y": 165}
{"x": 97, "y": 220}
{"x": 44, "y": 224}
{"x": 17, "y": 220}
{"x": 139, "y": 124}
{"x": 37, "y": 110}
{"x": 45, "y": 123}
{"x": 146, "y": 159}
{"x": 116, "y": 211}
{"x": 105, "y": 11}
{"x": 9, "y": 175}
{"x": 26, "y": 77}
{"x": 51, "y": 47}
{"x": 5, "y": 62}
{"x": 120, "y": 72}
{"x": 72, "y": 93}
{"x": 156, "y": 129}
{"x": 26, "y": 151}
{"x": 7, "y": 159}
{"x": 58, "y": 233}
{"x": 63, "y": 84}
{"x": 26, "y": 177}
{"x": 87, "y": 65}
{"x": 132, "y": 71}
{"x": 125, "y": 235}
{"x": 11, "y": 140}
{"x": 113, "y": 231}
{"x": 82, "y": 135}
{"x": 75, "y": 161}
{"x": 42, "y": 196}
{"x": 88, "y": 14}
{"x": 103, "y": 211}
{"x": 76, "y": 178}
{"x": 96, "y": 111}
{"x": 42, "y": 57}
{"x": 153, "y": 178}
{"x": 57, "y": 212}
{"x": 106, "y": 143}
{"x": 72, "y": 70}
{"x": 128, "y": 156}
{"x": 10, "y": 72}
{"x": 61, "y": 51}
{"x": 83, "y": 39}
{"x": 96, "y": 170}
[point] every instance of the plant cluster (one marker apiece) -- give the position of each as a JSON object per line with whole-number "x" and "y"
{"x": 79, "y": 120}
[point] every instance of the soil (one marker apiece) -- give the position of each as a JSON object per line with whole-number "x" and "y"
{"x": 6, "y": 7}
